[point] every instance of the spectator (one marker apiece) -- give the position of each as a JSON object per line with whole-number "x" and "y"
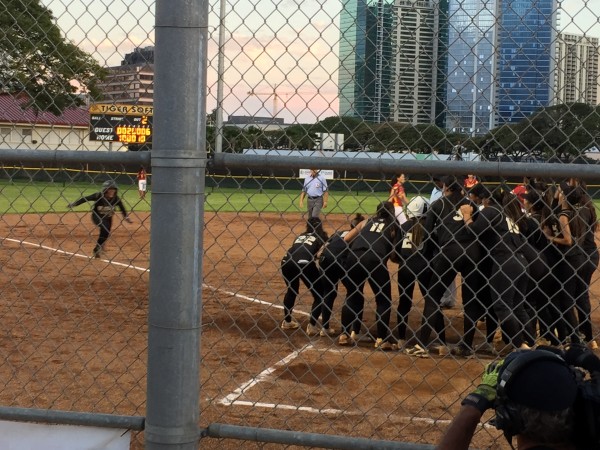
{"x": 533, "y": 393}
{"x": 470, "y": 181}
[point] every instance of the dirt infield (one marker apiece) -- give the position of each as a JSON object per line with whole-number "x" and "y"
{"x": 75, "y": 336}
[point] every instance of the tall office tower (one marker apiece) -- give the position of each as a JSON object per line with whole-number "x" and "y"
{"x": 576, "y": 75}
{"x": 414, "y": 76}
{"x": 527, "y": 36}
{"x": 500, "y": 61}
{"x": 472, "y": 49}
{"x": 365, "y": 55}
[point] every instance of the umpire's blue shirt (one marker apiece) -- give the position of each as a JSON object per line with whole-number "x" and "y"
{"x": 315, "y": 187}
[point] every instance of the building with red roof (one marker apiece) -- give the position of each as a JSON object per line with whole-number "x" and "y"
{"x": 25, "y": 128}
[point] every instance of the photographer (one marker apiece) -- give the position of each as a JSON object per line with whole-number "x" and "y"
{"x": 536, "y": 395}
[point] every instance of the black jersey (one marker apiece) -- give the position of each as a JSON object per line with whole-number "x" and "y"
{"x": 497, "y": 232}
{"x": 533, "y": 232}
{"x": 445, "y": 221}
{"x": 589, "y": 239}
{"x": 335, "y": 248}
{"x": 104, "y": 207}
{"x": 410, "y": 252}
{"x": 377, "y": 236}
{"x": 567, "y": 250}
{"x": 304, "y": 248}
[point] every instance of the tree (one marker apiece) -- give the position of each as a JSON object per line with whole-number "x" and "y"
{"x": 36, "y": 60}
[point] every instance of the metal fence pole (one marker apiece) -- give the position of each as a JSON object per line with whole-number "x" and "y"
{"x": 178, "y": 165}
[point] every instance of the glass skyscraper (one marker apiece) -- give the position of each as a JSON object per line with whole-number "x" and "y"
{"x": 471, "y": 65}
{"x": 527, "y": 34}
{"x": 366, "y": 53}
{"x": 500, "y": 61}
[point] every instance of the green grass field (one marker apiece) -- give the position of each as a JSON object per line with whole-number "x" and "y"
{"x": 22, "y": 197}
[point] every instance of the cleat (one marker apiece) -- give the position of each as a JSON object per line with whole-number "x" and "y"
{"x": 440, "y": 349}
{"x": 462, "y": 351}
{"x": 542, "y": 342}
{"x": 399, "y": 345}
{"x": 312, "y": 330}
{"x": 380, "y": 344}
{"x": 345, "y": 340}
{"x": 417, "y": 351}
{"x": 487, "y": 348}
{"x": 291, "y": 325}
{"x": 359, "y": 337}
{"x": 327, "y": 332}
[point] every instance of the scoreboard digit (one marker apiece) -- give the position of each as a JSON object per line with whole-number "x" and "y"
{"x": 128, "y": 124}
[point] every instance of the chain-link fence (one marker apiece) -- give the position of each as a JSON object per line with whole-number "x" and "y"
{"x": 204, "y": 120}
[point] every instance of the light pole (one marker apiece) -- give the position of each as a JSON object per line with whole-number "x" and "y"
{"x": 220, "y": 76}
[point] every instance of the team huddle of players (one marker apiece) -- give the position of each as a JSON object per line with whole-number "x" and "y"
{"x": 525, "y": 259}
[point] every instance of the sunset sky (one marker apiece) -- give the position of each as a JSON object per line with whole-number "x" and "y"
{"x": 287, "y": 44}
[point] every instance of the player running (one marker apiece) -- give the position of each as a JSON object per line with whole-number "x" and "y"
{"x": 105, "y": 203}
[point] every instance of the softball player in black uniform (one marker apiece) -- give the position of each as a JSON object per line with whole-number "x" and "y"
{"x": 371, "y": 245}
{"x": 542, "y": 283}
{"x": 413, "y": 266}
{"x": 331, "y": 263}
{"x": 105, "y": 203}
{"x": 566, "y": 232}
{"x": 498, "y": 232}
{"x": 455, "y": 252}
{"x": 299, "y": 264}
{"x": 587, "y": 212}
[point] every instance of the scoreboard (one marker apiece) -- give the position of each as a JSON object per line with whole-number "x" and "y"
{"x": 127, "y": 124}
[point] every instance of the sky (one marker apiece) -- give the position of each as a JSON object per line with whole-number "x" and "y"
{"x": 282, "y": 46}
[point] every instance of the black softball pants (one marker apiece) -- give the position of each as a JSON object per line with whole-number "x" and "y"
{"x": 409, "y": 274}
{"x": 584, "y": 308}
{"x": 104, "y": 225}
{"x": 332, "y": 272}
{"x": 360, "y": 268}
{"x": 311, "y": 277}
{"x": 508, "y": 286}
{"x": 454, "y": 258}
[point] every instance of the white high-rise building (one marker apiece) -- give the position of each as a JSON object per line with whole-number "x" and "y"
{"x": 414, "y": 76}
{"x": 577, "y": 78}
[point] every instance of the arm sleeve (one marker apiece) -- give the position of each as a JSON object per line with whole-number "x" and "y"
{"x": 483, "y": 220}
{"x": 87, "y": 198}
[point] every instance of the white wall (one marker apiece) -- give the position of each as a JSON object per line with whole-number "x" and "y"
{"x": 47, "y": 137}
